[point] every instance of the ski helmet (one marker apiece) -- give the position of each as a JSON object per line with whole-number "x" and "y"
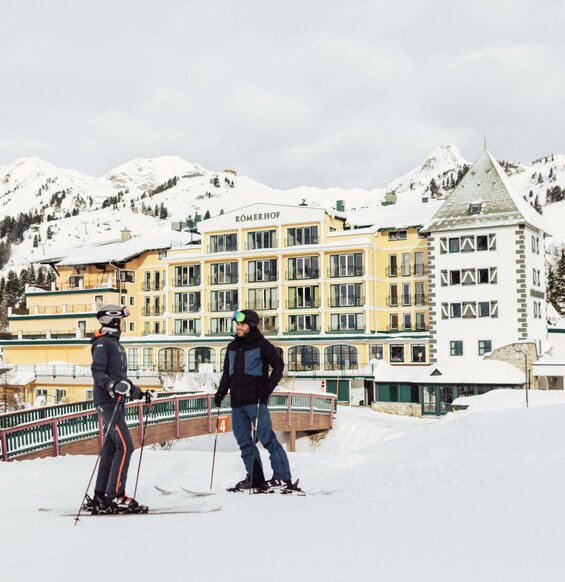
{"x": 111, "y": 315}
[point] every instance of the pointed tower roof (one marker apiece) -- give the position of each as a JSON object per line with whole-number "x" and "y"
{"x": 485, "y": 197}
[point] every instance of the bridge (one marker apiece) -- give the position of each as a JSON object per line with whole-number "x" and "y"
{"x": 76, "y": 429}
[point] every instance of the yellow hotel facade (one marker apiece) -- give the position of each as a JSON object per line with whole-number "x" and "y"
{"x": 331, "y": 298}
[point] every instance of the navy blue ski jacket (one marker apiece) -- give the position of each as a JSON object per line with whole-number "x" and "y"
{"x": 246, "y": 369}
{"x": 109, "y": 366}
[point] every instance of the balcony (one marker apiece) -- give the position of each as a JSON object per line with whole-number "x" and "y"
{"x": 338, "y": 272}
{"x": 293, "y": 243}
{"x": 78, "y": 286}
{"x": 346, "y": 301}
{"x": 263, "y": 305}
{"x": 224, "y": 280}
{"x": 18, "y": 312}
{"x": 265, "y": 278}
{"x": 419, "y": 270}
{"x": 420, "y": 299}
{"x": 392, "y": 301}
{"x": 303, "y": 275}
{"x": 190, "y": 308}
{"x": 300, "y": 303}
{"x": 220, "y": 306}
{"x": 272, "y": 244}
{"x": 190, "y": 282}
{"x": 392, "y": 271}
{"x": 19, "y": 335}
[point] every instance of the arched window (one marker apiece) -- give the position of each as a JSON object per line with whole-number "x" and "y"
{"x": 171, "y": 360}
{"x": 199, "y": 356}
{"x": 341, "y": 357}
{"x": 303, "y": 358}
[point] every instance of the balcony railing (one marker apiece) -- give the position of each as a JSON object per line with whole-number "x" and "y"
{"x": 336, "y": 272}
{"x": 190, "y": 282}
{"x": 419, "y": 299}
{"x": 272, "y": 244}
{"x": 224, "y": 280}
{"x": 262, "y": 279}
{"x": 313, "y": 241}
{"x": 191, "y": 308}
{"x": 419, "y": 270}
{"x": 311, "y": 274}
{"x": 392, "y": 271}
{"x": 300, "y": 303}
{"x": 392, "y": 301}
{"x": 273, "y": 304}
{"x": 227, "y": 306}
{"x": 54, "y": 310}
{"x": 346, "y": 302}
{"x": 20, "y": 335}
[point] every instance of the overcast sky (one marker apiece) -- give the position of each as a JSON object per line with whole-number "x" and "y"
{"x": 328, "y": 93}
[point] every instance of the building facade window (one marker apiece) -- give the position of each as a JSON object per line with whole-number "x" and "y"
{"x": 199, "y": 356}
{"x": 406, "y": 267}
{"x": 303, "y": 323}
{"x": 393, "y": 322}
{"x": 419, "y": 294}
{"x": 187, "y": 275}
{"x": 418, "y": 353}
{"x": 170, "y": 360}
{"x": 346, "y": 321}
{"x": 397, "y": 235}
{"x": 303, "y": 297}
{"x": 341, "y": 357}
{"x": 346, "y": 295}
{"x": 303, "y": 268}
{"x": 392, "y": 266}
{"x": 419, "y": 264}
{"x": 222, "y": 243}
{"x": 260, "y": 271}
{"x": 226, "y": 300}
{"x": 187, "y": 327}
{"x": 262, "y": 298}
{"x": 187, "y": 302}
{"x": 456, "y": 348}
{"x": 420, "y": 321}
{"x": 485, "y": 346}
{"x": 303, "y": 358}
{"x": 377, "y": 352}
{"x": 268, "y": 324}
{"x": 133, "y": 359}
{"x": 393, "y": 295}
{"x": 261, "y": 239}
{"x": 223, "y": 273}
{"x": 454, "y": 245}
{"x": 304, "y": 235}
{"x": 147, "y": 362}
{"x": 397, "y": 353}
{"x": 347, "y": 265}
{"x": 455, "y": 310}
{"x": 406, "y": 321}
{"x": 223, "y": 325}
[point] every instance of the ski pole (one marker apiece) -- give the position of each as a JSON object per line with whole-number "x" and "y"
{"x": 77, "y": 518}
{"x": 215, "y": 443}
{"x": 142, "y": 445}
{"x": 255, "y": 450}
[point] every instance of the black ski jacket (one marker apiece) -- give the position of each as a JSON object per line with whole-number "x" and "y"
{"x": 109, "y": 365}
{"x": 246, "y": 369}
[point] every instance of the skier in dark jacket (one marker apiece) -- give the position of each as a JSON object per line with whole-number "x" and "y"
{"x": 111, "y": 388}
{"x": 246, "y": 377}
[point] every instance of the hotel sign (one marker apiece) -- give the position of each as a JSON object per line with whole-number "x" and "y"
{"x": 258, "y": 216}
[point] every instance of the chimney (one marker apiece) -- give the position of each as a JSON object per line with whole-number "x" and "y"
{"x": 125, "y": 234}
{"x": 340, "y": 205}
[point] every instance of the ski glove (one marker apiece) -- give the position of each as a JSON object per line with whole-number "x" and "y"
{"x": 218, "y": 399}
{"x": 123, "y": 387}
{"x": 148, "y": 395}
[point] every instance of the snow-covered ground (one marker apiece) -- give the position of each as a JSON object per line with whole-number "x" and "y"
{"x": 475, "y": 496}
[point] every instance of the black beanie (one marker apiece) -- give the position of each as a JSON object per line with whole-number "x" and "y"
{"x": 251, "y": 317}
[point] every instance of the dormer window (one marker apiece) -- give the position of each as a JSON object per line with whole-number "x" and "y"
{"x": 475, "y": 207}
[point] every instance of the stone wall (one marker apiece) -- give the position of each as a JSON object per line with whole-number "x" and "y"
{"x": 511, "y": 355}
{"x": 400, "y": 408}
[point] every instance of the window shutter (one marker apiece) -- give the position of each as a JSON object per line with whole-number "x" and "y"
{"x": 492, "y": 242}
{"x": 493, "y": 275}
{"x": 468, "y": 277}
{"x": 443, "y": 245}
{"x": 445, "y": 310}
{"x": 467, "y": 244}
{"x": 494, "y": 308}
{"x": 469, "y": 310}
{"x": 444, "y": 282}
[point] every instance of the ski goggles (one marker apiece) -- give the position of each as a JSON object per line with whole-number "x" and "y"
{"x": 238, "y": 316}
{"x": 121, "y": 312}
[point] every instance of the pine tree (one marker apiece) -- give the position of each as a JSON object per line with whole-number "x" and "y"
{"x": 559, "y": 286}
{"x": 537, "y": 205}
{"x": 207, "y": 215}
{"x": 49, "y": 233}
{"x": 35, "y": 242}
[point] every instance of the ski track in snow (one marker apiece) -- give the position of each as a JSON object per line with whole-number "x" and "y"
{"x": 474, "y": 496}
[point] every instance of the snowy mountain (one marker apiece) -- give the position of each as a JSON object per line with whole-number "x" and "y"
{"x": 139, "y": 193}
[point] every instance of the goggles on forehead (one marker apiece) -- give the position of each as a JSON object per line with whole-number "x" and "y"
{"x": 238, "y": 316}
{"x": 120, "y": 312}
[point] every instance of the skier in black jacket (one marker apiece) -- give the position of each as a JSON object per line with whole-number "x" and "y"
{"x": 246, "y": 376}
{"x": 111, "y": 388}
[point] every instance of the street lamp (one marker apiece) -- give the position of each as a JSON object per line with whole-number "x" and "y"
{"x": 526, "y": 372}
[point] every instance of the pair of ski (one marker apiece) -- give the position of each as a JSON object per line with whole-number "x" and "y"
{"x": 295, "y": 490}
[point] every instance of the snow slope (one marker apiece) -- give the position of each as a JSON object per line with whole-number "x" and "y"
{"x": 475, "y": 496}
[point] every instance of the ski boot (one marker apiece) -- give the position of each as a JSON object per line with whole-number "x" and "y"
{"x": 243, "y": 485}
{"x": 278, "y": 484}
{"x": 124, "y": 504}
{"x": 96, "y": 504}
{"x": 290, "y": 487}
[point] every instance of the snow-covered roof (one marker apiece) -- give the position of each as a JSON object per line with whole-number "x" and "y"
{"x": 460, "y": 371}
{"x": 113, "y": 251}
{"x": 501, "y": 205}
{"x": 14, "y": 377}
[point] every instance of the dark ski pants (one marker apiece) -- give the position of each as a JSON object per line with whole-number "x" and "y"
{"x": 243, "y": 419}
{"x": 116, "y": 452}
